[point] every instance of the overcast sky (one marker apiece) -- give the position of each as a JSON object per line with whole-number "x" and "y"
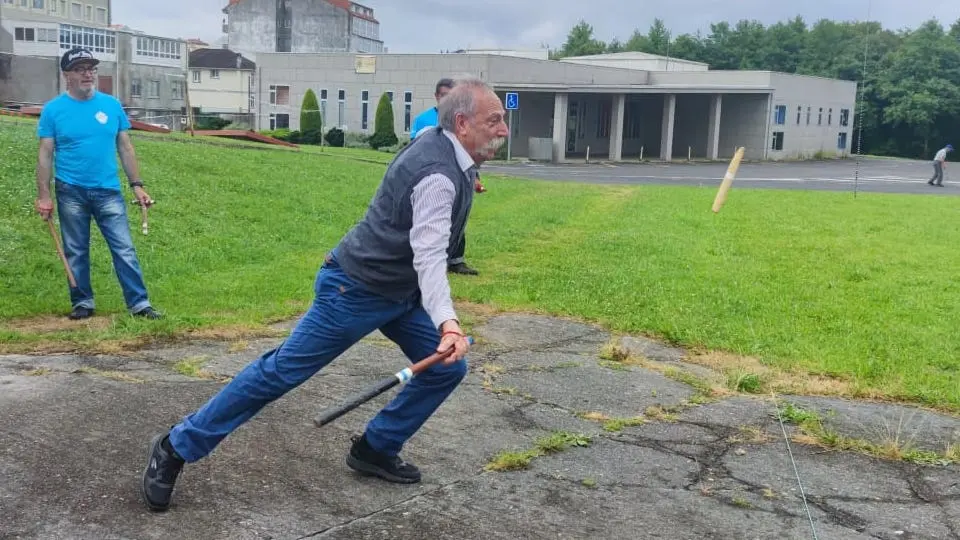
{"x": 409, "y": 26}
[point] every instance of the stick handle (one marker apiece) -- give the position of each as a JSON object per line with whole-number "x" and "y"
{"x": 63, "y": 258}
{"x": 401, "y": 377}
{"x": 143, "y": 219}
{"x": 727, "y": 180}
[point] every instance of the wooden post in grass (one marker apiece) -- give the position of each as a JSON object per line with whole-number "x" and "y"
{"x": 727, "y": 180}
{"x": 186, "y": 98}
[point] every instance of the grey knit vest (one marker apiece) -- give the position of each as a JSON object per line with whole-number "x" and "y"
{"x": 376, "y": 252}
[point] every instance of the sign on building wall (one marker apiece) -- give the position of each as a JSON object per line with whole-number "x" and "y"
{"x": 366, "y": 64}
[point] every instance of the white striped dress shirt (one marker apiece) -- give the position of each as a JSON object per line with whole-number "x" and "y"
{"x": 432, "y": 201}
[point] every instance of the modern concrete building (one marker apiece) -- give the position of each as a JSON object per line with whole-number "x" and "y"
{"x": 567, "y": 108}
{"x": 300, "y": 26}
{"x": 221, "y": 84}
{"x": 146, "y": 73}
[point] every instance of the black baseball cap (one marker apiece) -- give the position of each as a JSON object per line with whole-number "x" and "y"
{"x": 75, "y": 56}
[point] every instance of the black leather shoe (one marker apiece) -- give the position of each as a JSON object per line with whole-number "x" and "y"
{"x": 365, "y": 460}
{"x": 160, "y": 475}
{"x": 462, "y": 268}
{"x": 80, "y": 313}
{"x": 148, "y": 313}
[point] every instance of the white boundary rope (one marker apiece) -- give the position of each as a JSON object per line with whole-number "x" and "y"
{"x": 796, "y": 471}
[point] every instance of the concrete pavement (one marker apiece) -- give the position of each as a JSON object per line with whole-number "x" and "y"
{"x": 74, "y": 430}
{"x": 875, "y": 175}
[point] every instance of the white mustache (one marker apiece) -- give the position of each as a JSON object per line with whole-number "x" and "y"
{"x": 495, "y": 144}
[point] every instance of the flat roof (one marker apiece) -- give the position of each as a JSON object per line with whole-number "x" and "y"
{"x": 636, "y": 88}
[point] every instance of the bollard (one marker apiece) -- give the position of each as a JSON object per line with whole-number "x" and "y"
{"x": 641, "y": 153}
{"x": 588, "y": 156}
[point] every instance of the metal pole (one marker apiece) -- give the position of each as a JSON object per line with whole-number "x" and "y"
{"x": 509, "y": 134}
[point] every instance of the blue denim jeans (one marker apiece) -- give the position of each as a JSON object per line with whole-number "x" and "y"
{"x": 76, "y": 206}
{"x": 342, "y": 313}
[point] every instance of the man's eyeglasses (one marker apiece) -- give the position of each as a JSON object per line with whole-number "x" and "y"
{"x": 82, "y": 70}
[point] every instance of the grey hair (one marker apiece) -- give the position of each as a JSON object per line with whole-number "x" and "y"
{"x": 460, "y": 100}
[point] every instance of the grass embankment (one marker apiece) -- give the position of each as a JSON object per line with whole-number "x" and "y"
{"x": 863, "y": 290}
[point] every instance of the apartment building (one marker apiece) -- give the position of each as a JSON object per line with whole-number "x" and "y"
{"x": 300, "y": 26}
{"x": 146, "y": 73}
{"x": 85, "y": 12}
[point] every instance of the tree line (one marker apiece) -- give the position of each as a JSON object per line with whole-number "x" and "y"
{"x": 910, "y": 79}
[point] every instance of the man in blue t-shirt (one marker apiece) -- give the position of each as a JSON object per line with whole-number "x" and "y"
{"x": 81, "y": 131}
{"x": 424, "y": 121}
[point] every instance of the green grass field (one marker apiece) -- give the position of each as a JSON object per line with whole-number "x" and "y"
{"x": 864, "y": 290}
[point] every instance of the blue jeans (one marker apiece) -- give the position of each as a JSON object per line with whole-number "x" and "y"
{"x": 342, "y": 313}
{"x": 76, "y": 206}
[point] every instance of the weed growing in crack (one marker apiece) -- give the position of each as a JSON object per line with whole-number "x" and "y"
{"x": 193, "y": 367}
{"x": 616, "y": 425}
{"x": 812, "y": 431}
{"x": 550, "y": 444}
{"x": 113, "y": 375}
{"x": 616, "y": 366}
{"x": 743, "y": 381}
{"x": 39, "y": 372}
{"x": 589, "y": 482}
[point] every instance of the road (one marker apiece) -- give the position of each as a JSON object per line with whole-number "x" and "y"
{"x": 872, "y": 175}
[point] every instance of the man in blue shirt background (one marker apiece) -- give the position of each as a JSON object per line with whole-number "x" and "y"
{"x": 424, "y": 121}
{"x": 81, "y": 131}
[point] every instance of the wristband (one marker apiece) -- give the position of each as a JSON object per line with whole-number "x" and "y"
{"x": 452, "y": 332}
{"x": 136, "y": 183}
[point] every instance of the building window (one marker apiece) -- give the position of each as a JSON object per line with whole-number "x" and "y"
{"x": 390, "y": 95}
{"x": 777, "y": 140}
{"x": 820, "y": 117}
{"x": 780, "y": 114}
{"x": 829, "y": 116}
{"x": 135, "y": 88}
{"x": 48, "y": 35}
{"x": 341, "y": 107}
{"x": 808, "y": 116}
{"x": 89, "y": 12}
{"x": 153, "y": 89}
{"x": 844, "y": 117}
{"x": 364, "y": 108}
{"x": 96, "y": 39}
{"x": 23, "y": 34}
{"x": 76, "y": 10}
{"x": 37, "y": 4}
{"x": 214, "y": 73}
{"x": 196, "y": 76}
{"x": 323, "y": 104}
{"x": 407, "y": 110}
{"x": 279, "y": 94}
{"x": 280, "y": 121}
{"x": 603, "y": 119}
{"x": 176, "y": 90}
{"x": 799, "y": 109}
{"x": 159, "y": 48}
{"x": 842, "y": 141}
{"x": 101, "y": 16}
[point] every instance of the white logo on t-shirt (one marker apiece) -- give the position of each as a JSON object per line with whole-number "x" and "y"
{"x": 101, "y": 117}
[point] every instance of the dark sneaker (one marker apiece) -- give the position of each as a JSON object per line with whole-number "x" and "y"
{"x": 80, "y": 313}
{"x": 163, "y": 467}
{"x": 148, "y": 313}
{"x": 462, "y": 268}
{"x": 366, "y": 460}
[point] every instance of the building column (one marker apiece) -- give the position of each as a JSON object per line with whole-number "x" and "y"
{"x": 713, "y": 131}
{"x": 559, "y": 127}
{"x": 666, "y": 131}
{"x": 616, "y": 127}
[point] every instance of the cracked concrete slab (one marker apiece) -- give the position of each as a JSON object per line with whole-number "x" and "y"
{"x": 882, "y": 423}
{"x": 74, "y": 431}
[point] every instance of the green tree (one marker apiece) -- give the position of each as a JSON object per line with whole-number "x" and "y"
{"x": 580, "y": 42}
{"x": 384, "y": 132}
{"x": 310, "y": 119}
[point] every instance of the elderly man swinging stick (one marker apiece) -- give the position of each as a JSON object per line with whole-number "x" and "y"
{"x": 387, "y": 273}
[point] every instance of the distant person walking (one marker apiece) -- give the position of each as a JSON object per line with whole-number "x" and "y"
{"x": 81, "y": 132}
{"x": 427, "y": 119}
{"x": 939, "y": 162}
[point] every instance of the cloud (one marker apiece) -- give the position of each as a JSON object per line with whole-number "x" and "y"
{"x": 435, "y": 25}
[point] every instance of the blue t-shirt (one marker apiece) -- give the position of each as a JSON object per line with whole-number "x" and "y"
{"x": 427, "y": 118}
{"x": 85, "y": 138}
